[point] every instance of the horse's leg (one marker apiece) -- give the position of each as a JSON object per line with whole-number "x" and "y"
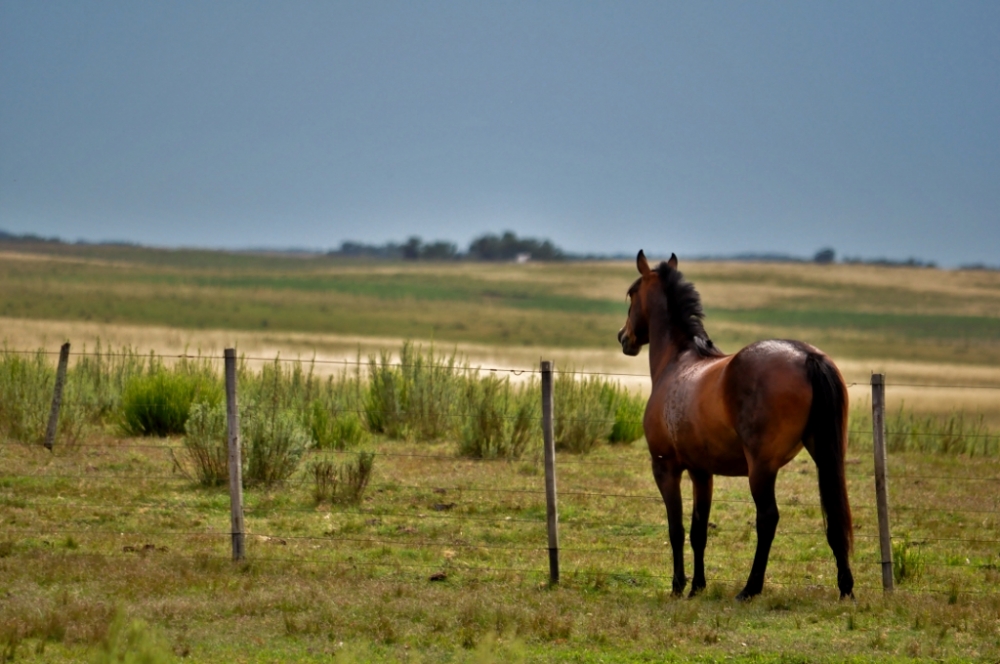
{"x": 762, "y": 487}
{"x": 702, "y": 483}
{"x": 668, "y": 480}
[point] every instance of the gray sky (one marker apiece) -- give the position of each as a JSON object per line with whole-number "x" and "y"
{"x": 695, "y": 127}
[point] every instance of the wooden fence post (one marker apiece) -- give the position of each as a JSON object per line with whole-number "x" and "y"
{"x": 551, "y": 512}
{"x": 881, "y": 482}
{"x": 235, "y": 466}
{"x": 50, "y": 432}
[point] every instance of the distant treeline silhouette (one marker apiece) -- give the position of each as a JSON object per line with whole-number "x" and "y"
{"x": 488, "y": 247}
{"x": 506, "y": 247}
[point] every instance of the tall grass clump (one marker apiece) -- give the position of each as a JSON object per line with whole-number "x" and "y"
{"x": 627, "y": 410}
{"x": 956, "y": 433}
{"x": 345, "y": 482}
{"x": 206, "y": 443}
{"x": 329, "y": 408}
{"x": 27, "y": 383}
{"x": 906, "y": 562}
{"x": 417, "y": 398}
{"x": 132, "y": 642}
{"x": 590, "y": 410}
{"x": 499, "y": 420}
{"x": 158, "y": 402}
{"x": 97, "y": 380}
{"x": 334, "y": 429}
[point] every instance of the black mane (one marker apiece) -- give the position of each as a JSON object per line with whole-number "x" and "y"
{"x": 685, "y": 312}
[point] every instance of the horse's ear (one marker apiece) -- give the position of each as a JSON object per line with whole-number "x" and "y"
{"x": 642, "y": 263}
{"x": 672, "y": 263}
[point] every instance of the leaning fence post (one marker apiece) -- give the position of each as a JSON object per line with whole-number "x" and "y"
{"x": 881, "y": 483}
{"x": 50, "y": 432}
{"x": 550, "y": 472}
{"x": 235, "y": 467}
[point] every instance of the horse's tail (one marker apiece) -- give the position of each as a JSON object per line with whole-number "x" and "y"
{"x": 827, "y": 429}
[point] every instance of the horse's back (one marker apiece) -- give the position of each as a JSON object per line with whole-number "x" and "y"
{"x": 768, "y": 394}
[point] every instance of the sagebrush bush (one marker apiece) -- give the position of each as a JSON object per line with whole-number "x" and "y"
{"x": 417, "y": 398}
{"x": 206, "y": 443}
{"x": 499, "y": 420}
{"x": 271, "y": 444}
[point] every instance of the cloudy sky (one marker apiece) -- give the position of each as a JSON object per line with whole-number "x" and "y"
{"x": 696, "y": 127}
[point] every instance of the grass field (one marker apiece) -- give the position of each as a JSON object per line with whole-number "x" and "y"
{"x": 107, "y": 528}
{"x": 850, "y": 311}
{"x": 110, "y": 525}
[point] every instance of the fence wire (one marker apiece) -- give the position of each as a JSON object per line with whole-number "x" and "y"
{"x": 636, "y": 543}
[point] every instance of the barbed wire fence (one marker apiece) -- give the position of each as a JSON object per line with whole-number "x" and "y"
{"x": 534, "y": 508}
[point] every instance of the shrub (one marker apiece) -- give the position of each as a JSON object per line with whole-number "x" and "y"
{"x": 415, "y": 399}
{"x": 158, "y": 403}
{"x": 342, "y": 483}
{"x": 271, "y": 445}
{"x": 206, "y": 443}
{"x": 499, "y": 420}
{"x": 97, "y": 380}
{"x": 335, "y": 430}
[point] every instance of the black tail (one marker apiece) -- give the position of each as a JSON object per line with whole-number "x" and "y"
{"x": 826, "y": 440}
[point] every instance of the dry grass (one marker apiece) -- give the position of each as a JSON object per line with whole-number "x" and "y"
{"x": 850, "y": 310}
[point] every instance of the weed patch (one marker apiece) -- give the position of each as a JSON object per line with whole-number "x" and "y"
{"x": 499, "y": 420}
{"x": 343, "y": 483}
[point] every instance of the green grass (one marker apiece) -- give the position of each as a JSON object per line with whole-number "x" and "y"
{"x": 411, "y": 549}
{"x": 355, "y": 580}
{"x": 107, "y": 541}
{"x": 853, "y": 311}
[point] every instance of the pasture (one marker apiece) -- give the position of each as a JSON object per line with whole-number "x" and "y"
{"x": 110, "y": 529}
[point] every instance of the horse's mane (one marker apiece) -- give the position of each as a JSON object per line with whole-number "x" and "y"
{"x": 685, "y": 312}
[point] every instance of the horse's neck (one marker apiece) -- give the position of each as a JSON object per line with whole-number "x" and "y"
{"x": 662, "y": 352}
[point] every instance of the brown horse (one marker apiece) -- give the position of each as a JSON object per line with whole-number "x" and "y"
{"x": 743, "y": 415}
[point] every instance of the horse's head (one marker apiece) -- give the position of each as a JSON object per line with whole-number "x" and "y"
{"x": 635, "y": 333}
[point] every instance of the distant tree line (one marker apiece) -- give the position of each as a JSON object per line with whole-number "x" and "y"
{"x": 827, "y": 256}
{"x": 488, "y": 247}
{"x": 29, "y": 237}
{"x": 509, "y": 247}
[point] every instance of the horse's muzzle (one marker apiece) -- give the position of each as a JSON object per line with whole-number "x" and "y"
{"x": 629, "y": 347}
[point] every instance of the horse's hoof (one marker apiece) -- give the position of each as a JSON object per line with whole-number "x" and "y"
{"x": 745, "y": 596}
{"x": 849, "y": 596}
{"x": 696, "y": 591}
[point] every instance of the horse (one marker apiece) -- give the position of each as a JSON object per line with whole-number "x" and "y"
{"x": 741, "y": 415}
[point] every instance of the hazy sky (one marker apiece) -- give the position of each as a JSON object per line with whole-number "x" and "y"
{"x": 695, "y": 127}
